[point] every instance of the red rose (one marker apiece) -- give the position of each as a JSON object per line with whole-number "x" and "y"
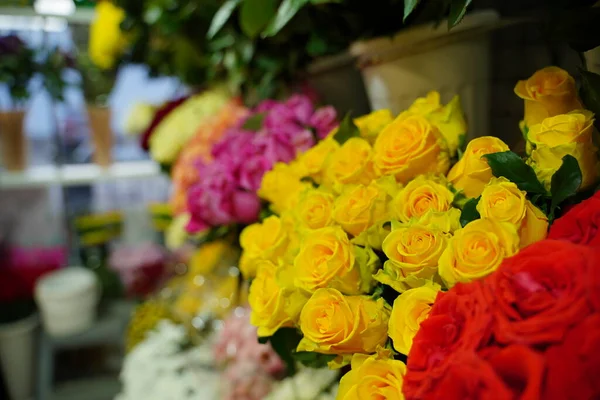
{"x": 541, "y": 292}
{"x": 459, "y": 321}
{"x": 520, "y": 368}
{"x": 467, "y": 376}
{"x": 581, "y": 224}
{"x": 573, "y": 367}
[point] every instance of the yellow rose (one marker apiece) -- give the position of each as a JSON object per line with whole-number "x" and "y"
{"x": 106, "y": 42}
{"x": 447, "y": 221}
{"x": 378, "y": 376}
{"x": 409, "y": 310}
{"x": 351, "y": 163}
{"x": 472, "y": 172}
{"x": 556, "y": 137}
{"x": 273, "y": 307}
{"x": 315, "y": 209}
{"x": 408, "y": 147}
{"x": 336, "y": 324}
{"x": 360, "y": 207}
{"x": 413, "y": 252}
{"x": 550, "y": 91}
{"x": 371, "y": 125}
{"x": 139, "y": 118}
{"x": 477, "y": 250}
{"x": 314, "y": 160}
{"x": 421, "y": 195}
{"x": 281, "y": 186}
{"x": 328, "y": 259}
{"x": 502, "y": 201}
{"x": 449, "y": 119}
{"x": 262, "y": 241}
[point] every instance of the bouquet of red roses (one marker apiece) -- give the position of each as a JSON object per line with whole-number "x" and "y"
{"x": 530, "y": 330}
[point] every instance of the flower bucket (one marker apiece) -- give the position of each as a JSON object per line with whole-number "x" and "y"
{"x": 592, "y": 58}
{"x": 17, "y": 347}
{"x": 12, "y": 140}
{"x": 399, "y": 69}
{"x": 101, "y": 134}
{"x": 338, "y": 82}
{"x": 67, "y": 299}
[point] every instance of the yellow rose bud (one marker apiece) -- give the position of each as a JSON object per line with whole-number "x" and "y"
{"x": 351, "y": 163}
{"x": 328, "y": 259}
{"x": 315, "y": 208}
{"x": 472, "y": 172}
{"x": 371, "y": 125}
{"x": 420, "y": 196}
{"x": 408, "y": 147}
{"x": 410, "y": 309}
{"x": 550, "y": 91}
{"x": 502, "y": 201}
{"x": 281, "y": 186}
{"x": 359, "y": 207}
{"x": 273, "y": 307}
{"x": 477, "y": 250}
{"x": 413, "y": 252}
{"x": 378, "y": 376}
{"x": 336, "y": 324}
{"x": 556, "y": 137}
{"x": 446, "y": 221}
{"x": 449, "y": 119}
{"x": 262, "y": 241}
{"x": 315, "y": 159}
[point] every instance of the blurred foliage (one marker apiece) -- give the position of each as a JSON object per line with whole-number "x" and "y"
{"x": 52, "y": 69}
{"x": 97, "y": 83}
{"x": 17, "y": 66}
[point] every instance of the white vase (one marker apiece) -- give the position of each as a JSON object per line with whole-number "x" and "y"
{"x": 17, "y": 347}
{"x": 67, "y": 299}
{"x": 398, "y": 69}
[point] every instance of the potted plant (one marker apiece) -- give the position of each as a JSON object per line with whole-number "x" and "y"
{"x": 16, "y": 69}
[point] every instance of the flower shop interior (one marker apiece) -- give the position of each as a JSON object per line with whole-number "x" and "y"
{"x": 299, "y": 199}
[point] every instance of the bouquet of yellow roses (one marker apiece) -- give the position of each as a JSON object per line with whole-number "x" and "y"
{"x": 371, "y": 223}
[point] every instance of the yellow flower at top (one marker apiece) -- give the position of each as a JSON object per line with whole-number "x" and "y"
{"x": 376, "y": 376}
{"x": 106, "y": 42}
{"x": 372, "y": 124}
{"x": 421, "y": 195}
{"x": 408, "y": 147}
{"x": 449, "y": 119}
{"x": 550, "y": 91}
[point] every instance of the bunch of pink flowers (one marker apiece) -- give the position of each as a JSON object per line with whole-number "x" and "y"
{"x": 250, "y": 368}
{"x": 226, "y": 192}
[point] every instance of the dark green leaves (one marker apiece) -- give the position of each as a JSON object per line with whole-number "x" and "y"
{"x": 458, "y": 9}
{"x": 284, "y": 342}
{"x": 346, "y": 130}
{"x": 469, "y": 212}
{"x": 254, "y": 123}
{"x": 565, "y": 181}
{"x": 409, "y": 7}
{"x": 221, "y": 17}
{"x": 513, "y": 168}
{"x": 313, "y": 360}
{"x": 285, "y": 13}
{"x": 255, "y": 15}
{"x": 590, "y": 91}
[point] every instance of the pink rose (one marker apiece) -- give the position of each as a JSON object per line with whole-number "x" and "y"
{"x": 324, "y": 120}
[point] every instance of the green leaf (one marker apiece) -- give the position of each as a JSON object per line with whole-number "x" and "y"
{"x": 221, "y": 17}
{"x": 286, "y": 11}
{"x": 458, "y": 9}
{"x": 346, "y": 130}
{"x": 513, "y": 168}
{"x": 409, "y": 7}
{"x": 565, "y": 181}
{"x": 313, "y": 360}
{"x": 255, "y": 15}
{"x": 284, "y": 342}
{"x": 459, "y": 199}
{"x": 590, "y": 91}
{"x": 469, "y": 212}
{"x": 254, "y": 123}
{"x": 462, "y": 145}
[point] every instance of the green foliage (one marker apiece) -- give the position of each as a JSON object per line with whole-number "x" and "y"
{"x": 255, "y": 15}
{"x": 565, "y": 181}
{"x": 590, "y": 91}
{"x": 346, "y": 130}
{"x": 97, "y": 83}
{"x": 254, "y": 123}
{"x": 458, "y": 9}
{"x": 313, "y": 360}
{"x": 221, "y": 17}
{"x": 409, "y": 7}
{"x": 469, "y": 212}
{"x": 17, "y": 66}
{"x": 509, "y": 165}
{"x": 284, "y": 342}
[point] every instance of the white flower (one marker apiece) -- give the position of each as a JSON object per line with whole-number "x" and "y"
{"x": 307, "y": 384}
